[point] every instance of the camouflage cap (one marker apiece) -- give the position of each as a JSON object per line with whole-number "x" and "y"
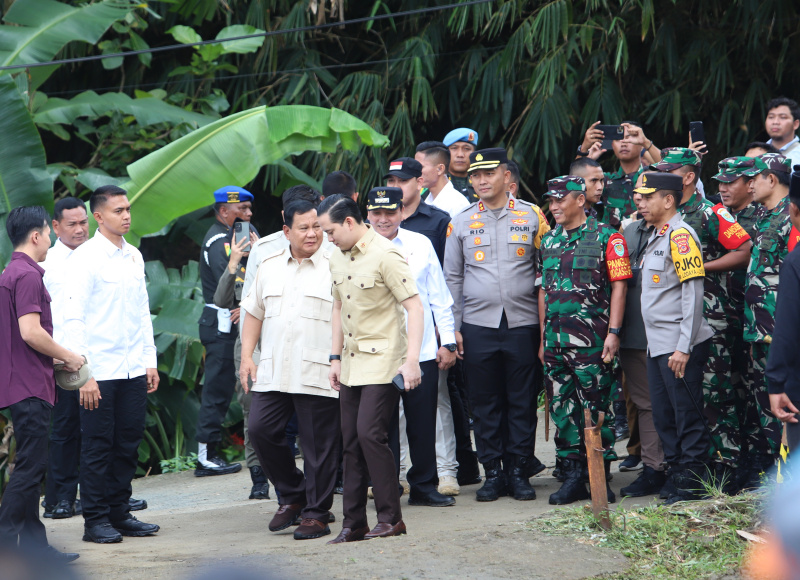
{"x": 676, "y": 157}
{"x": 559, "y": 187}
{"x": 771, "y": 162}
{"x": 733, "y": 168}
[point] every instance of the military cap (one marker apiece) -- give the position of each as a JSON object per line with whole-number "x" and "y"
{"x": 72, "y": 381}
{"x": 487, "y": 159}
{"x": 461, "y": 134}
{"x": 384, "y": 198}
{"x": 560, "y": 187}
{"x": 653, "y": 181}
{"x": 404, "y": 168}
{"x": 676, "y": 157}
{"x": 771, "y": 162}
{"x": 733, "y": 168}
{"x": 232, "y": 194}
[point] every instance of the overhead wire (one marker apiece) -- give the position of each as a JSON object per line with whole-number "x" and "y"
{"x": 265, "y": 34}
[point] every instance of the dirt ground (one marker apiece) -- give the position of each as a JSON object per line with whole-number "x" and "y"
{"x": 209, "y": 527}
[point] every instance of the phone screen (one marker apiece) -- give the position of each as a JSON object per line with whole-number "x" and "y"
{"x": 696, "y": 131}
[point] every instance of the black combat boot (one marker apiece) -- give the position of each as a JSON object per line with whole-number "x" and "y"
{"x": 690, "y": 483}
{"x": 669, "y": 483}
{"x": 621, "y": 430}
{"x": 558, "y": 470}
{"x": 573, "y": 488}
{"x": 725, "y": 478}
{"x": 495, "y": 485}
{"x": 757, "y": 471}
{"x": 518, "y": 484}
{"x": 260, "y": 489}
{"x": 649, "y": 482}
{"x": 612, "y": 498}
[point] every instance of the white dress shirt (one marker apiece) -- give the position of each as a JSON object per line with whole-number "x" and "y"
{"x": 107, "y": 313}
{"x": 791, "y": 150}
{"x": 449, "y": 200}
{"x": 436, "y": 299}
{"x": 56, "y": 276}
{"x": 294, "y": 301}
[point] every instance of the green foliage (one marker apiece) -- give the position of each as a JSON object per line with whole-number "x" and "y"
{"x": 689, "y": 540}
{"x": 178, "y": 464}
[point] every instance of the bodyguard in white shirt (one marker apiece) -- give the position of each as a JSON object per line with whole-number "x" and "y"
{"x": 289, "y": 309}
{"x": 385, "y": 213}
{"x": 435, "y": 159}
{"x": 71, "y": 226}
{"x": 107, "y": 317}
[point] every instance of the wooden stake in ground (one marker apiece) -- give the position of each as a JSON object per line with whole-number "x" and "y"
{"x": 597, "y": 469}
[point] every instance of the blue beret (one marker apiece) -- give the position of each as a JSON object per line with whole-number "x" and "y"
{"x": 232, "y": 194}
{"x": 461, "y": 134}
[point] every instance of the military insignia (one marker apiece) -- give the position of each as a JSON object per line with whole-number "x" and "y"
{"x": 476, "y": 225}
{"x": 481, "y": 207}
{"x": 471, "y": 136}
{"x": 480, "y": 256}
{"x": 227, "y": 249}
{"x": 477, "y": 241}
{"x": 515, "y": 238}
{"x": 449, "y": 229}
{"x": 519, "y": 212}
{"x": 519, "y": 222}
{"x": 475, "y": 216}
{"x": 520, "y": 251}
{"x": 524, "y": 237}
{"x": 619, "y": 247}
{"x": 511, "y": 203}
{"x": 725, "y": 214}
{"x": 479, "y": 157}
{"x": 682, "y": 242}
{"x": 656, "y": 278}
{"x": 233, "y": 197}
{"x": 663, "y": 230}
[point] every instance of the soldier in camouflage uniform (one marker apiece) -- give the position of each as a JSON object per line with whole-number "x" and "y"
{"x": 771, "y": 177}
{"x": 583, "y": 265}
{"x": 725, "y": 248}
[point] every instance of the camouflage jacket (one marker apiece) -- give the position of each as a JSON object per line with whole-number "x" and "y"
{"x": 618, "y": 196}
{"x": 719, "y": 233}
{"x": 761, "y": 288}
{"x": 747, "y": 218}
{"x": 463, "y": 185}
{"x": 576, "y": 274}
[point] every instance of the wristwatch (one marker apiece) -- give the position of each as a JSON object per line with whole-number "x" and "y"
{"x": 334, "y": 357}
{"x": 451, "y": 347}
{"x": 614, "y": 331}
{"x": 581, "y": 152}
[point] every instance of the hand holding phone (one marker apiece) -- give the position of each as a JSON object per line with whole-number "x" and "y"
{"x": 697, "y": 138}
{"x": 241, "y": 231}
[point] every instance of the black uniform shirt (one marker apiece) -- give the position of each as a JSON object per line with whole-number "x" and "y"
{"x": 431, "y": 222}
{"x": 783, "y": 365}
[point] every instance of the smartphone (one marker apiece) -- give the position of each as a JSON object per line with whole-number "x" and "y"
{"x": 696, "y": 131}
{"x": 612, "y": 132}
{"x": 241, "y": 230}
{"x": 399, "y": 382}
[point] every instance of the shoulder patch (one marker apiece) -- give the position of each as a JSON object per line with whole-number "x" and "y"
{"x": 731, "y": 234}
{"x": 449, "y": 229}
{"x": 617, "y": 262}
{"x": 794, "y": 238}
{"x": 686, "y": 256}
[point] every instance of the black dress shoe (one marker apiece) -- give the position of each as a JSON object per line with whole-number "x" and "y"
{"x": 53, "y": 555}
{"x": 209, "y": 462}
{"x": 430, "y": 499}
{"x": 48, "y": 510}
{"x": 101, "y": 534}
{"x": 137, "y": 504}
{"x": 63, "y": 510}
{"x": 134, "y": 528}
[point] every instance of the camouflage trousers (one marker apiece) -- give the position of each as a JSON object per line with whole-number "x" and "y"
{"x": 720, "y": 397}
{"x": 578, "y": 379}
{"x": 762, "y": 430}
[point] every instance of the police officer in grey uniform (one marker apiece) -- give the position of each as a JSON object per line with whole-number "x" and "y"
{"x": 678, "y": 336}
{"x": 490, "y": 268}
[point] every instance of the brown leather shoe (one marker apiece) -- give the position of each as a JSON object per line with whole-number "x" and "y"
{"x": 350, "y": 535}
{"x": 285, "y": 516}
{"x": 310, "y": 528}
{"x": 384, "y": 530}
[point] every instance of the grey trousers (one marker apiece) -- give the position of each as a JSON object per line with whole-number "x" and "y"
{"x": 634, "y": 365}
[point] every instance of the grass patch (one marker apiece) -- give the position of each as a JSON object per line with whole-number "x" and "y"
{"x": 686, "y": 540}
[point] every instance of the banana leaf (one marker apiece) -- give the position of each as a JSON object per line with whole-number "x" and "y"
{"x": 24, "y": 178}
{"x": 43, "y": 27}
{"x": 147, "y": 111}
{"x": 180, "y": 177}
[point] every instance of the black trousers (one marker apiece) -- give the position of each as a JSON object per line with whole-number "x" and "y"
{"x": 499, "y": 363}
{"x": 677, "y": 421}
{"x": 419, "y": 406}
{"x": 65, "y": 449}
{"x": 219, "y": 382}
{"x": 19, "y": 511}
{"x": 319, "y": 427}
{"x": 538, "y": 385}
{"x": 110, "y": 437}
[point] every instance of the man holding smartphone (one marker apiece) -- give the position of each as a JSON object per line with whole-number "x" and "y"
{"x": 218, "y": 331}
{"x": 372, "y": 285}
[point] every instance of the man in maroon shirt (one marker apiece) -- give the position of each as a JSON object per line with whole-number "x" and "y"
{"x": 27, "y": 382}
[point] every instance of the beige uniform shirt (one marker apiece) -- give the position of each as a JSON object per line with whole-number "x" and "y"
{"x": 371, "y": 280}
{"x": 293, "y": 299}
